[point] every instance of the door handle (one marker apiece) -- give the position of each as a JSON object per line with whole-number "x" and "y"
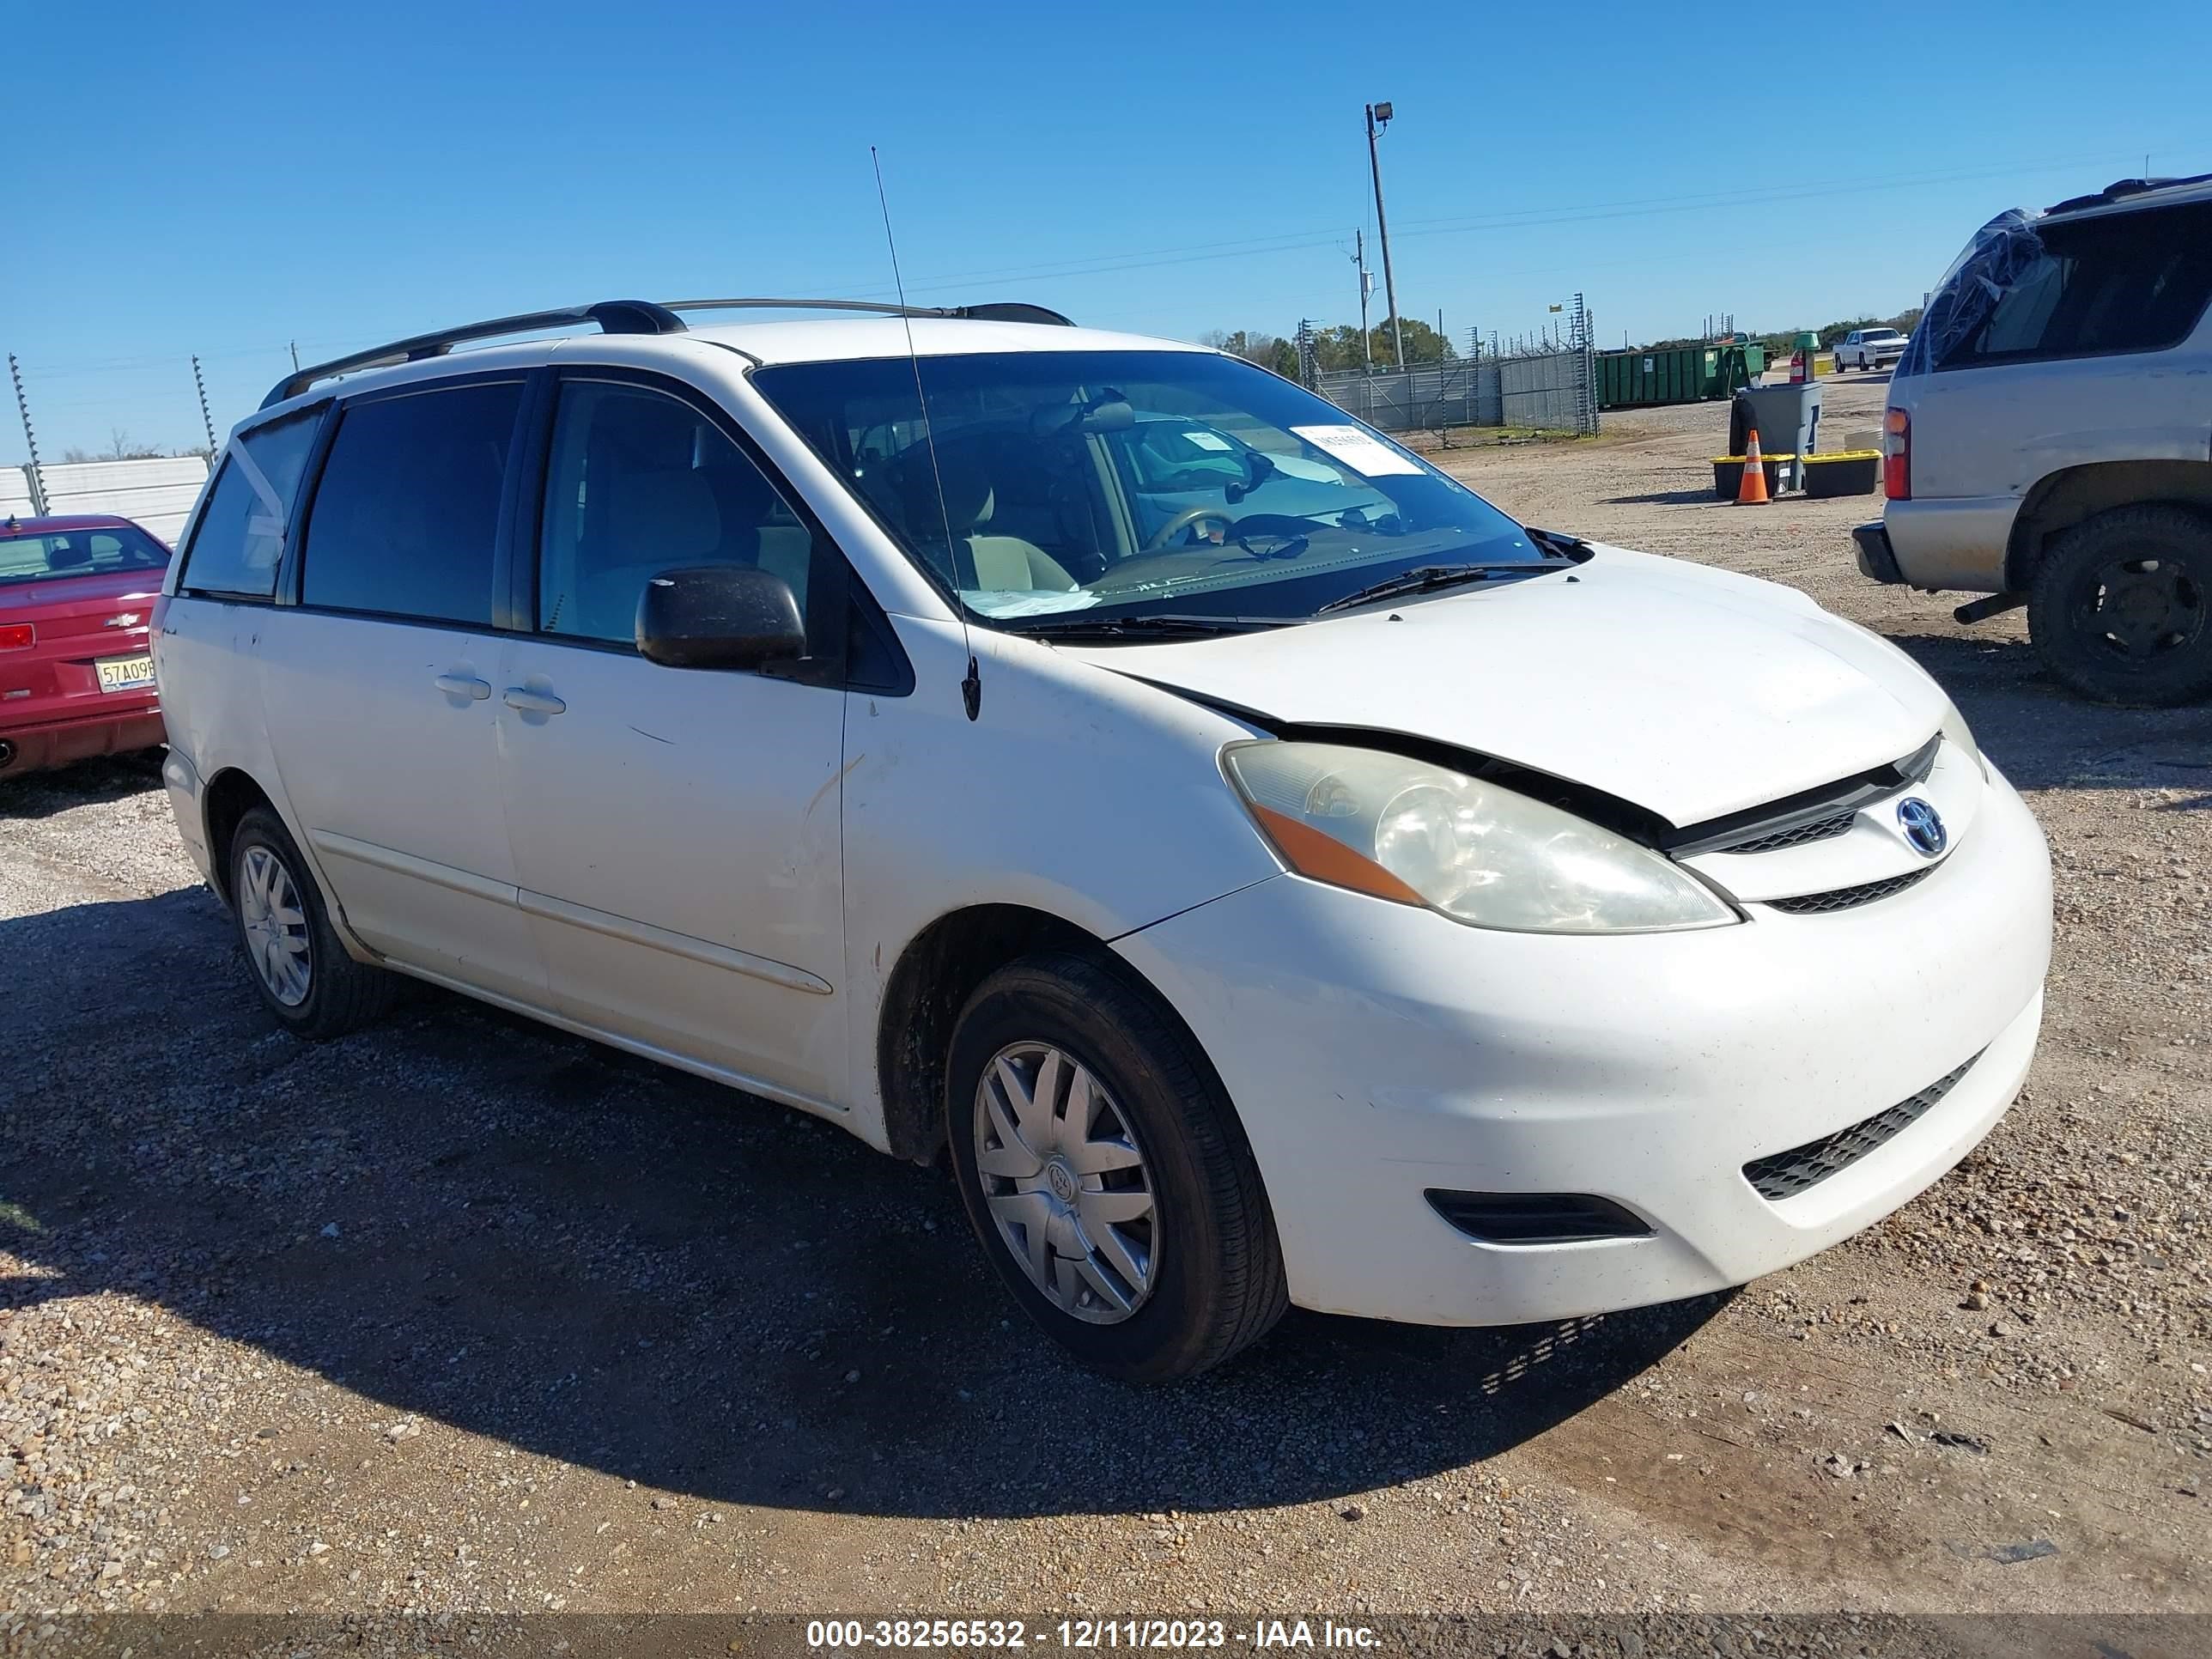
{"x": 463, "y": 685}
{"x": 533, "y": 703}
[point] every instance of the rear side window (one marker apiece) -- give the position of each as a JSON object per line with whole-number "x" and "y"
{"x": 406, "y": 514}
{"x": 2126, "y": 281}
{"x": 242, "y": 531}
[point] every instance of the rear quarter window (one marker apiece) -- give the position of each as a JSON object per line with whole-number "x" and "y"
{"x": 241, "y": 536}
{"x": 2110, "y": 283}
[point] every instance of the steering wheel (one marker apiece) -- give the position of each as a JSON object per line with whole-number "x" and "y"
{"x": 1182, "y": 521}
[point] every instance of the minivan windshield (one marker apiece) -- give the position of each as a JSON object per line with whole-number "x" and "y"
{"x": 1182, "y": 484}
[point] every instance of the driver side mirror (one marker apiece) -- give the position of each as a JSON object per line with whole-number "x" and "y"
{"x": 719, "y": 616}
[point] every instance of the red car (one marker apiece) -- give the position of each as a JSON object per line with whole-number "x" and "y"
{"x": 76, "y": 674}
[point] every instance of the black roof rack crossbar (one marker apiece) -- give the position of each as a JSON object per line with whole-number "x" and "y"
{"x": 629, "y": 317}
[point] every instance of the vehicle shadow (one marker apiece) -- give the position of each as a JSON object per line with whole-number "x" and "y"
{"x": 1663, "y": 498}
{"x": 473, "y": 1218}
{"x": 2044, "y": 737}
{"x": 109, "y": 778}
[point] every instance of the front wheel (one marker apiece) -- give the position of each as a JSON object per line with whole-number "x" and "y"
{"x": 1106, "y": 1174}
{"x": 304, "y": 974}
{"x": 2118, "y": 608}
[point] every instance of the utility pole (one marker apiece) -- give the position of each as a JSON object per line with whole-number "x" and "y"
{"x": 1366, "y": 293}
{"x": 295, "y": 357}
{"x": 1378, "y": 116}
{"x": 30, "y": 438}
{"x": 206, "y": 420}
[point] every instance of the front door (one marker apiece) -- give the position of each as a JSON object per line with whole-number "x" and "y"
{"x": 378, "y": 685}
{"x": 676, "y": 831}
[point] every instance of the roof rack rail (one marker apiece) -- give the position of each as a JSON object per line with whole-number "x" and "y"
{"x": 993, "y": 311}
{"x": 2121, "y": 189}
{"x": 613, "y": 317}
{"x": 627, "y": 317}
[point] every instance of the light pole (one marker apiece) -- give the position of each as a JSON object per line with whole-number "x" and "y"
{"x": 1378, "y": 117}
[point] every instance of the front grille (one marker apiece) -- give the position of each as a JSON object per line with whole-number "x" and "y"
{"x": 1786, "y": 1174}
{"x": 1846, "y": 898}
{"x": 1826, "y": 829}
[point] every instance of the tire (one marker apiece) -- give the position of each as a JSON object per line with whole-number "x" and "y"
{"x": 1212, "y": 1269}
{"x": 2121, "y": 607}
{"x": 318, "y": 992}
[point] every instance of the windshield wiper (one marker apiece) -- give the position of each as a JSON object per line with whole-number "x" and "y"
{"x": 1090, "y": 626}
{"x": 1423, "y": 578}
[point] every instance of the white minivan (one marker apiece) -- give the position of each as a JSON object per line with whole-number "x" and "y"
{"x": 1273, "y": 874}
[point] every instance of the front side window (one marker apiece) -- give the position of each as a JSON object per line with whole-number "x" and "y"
{"x": 641, "y": 483}
{"x": 1157, "y": 482}
{"x": 406, "y": 515}
{"x": 60, "y": 553}
{"x": 242, "y": 531}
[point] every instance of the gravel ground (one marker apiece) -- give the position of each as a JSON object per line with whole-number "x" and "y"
{"x": 462, "y": 1316}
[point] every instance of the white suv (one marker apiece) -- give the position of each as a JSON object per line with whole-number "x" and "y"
{"x": 1273, "y": 874}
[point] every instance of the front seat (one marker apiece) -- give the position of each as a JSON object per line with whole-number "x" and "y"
{"x": 1006, "y": 564}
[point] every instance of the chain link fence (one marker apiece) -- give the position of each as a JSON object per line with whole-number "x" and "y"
{"x": 1555, "y": 391}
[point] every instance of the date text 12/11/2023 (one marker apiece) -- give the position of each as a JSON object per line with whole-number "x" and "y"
{"x": 1009, "y": 1635}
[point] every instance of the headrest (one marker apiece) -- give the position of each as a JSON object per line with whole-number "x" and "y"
{"x": 662, "y": 515}
{"x": 966, "y": 482}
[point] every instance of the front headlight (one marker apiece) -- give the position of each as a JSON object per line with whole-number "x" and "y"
{"x": 1958, "y": 734}
{"x": 1403, "y": 829}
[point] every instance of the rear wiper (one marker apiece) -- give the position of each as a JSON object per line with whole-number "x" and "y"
{"x": 1422, "y": 579}
{"x": 1142, "y": 626}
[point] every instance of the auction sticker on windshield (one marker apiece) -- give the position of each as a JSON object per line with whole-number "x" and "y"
{"x": 1360, "y": 451}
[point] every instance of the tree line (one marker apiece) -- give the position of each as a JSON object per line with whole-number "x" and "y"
{"x": 1782, "y": 342}
{"x": 1335, "y": 347}
{"x": 122, "y": 446}
{"x": 1340, "y": 347}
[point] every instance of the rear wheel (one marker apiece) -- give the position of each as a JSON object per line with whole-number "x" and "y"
{"x": 1105, "y": 1173}
{"x": 304, "y": 974}
{"x": 2121, "y": 608}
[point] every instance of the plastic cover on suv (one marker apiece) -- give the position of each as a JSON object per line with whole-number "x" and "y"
{"x": 1991, "y": 263}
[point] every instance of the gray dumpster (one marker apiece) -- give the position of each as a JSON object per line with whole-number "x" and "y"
{"x": 1788, "y": 421}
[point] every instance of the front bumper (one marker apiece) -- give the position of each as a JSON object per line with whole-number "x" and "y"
{"x": 1375, "y": 1052}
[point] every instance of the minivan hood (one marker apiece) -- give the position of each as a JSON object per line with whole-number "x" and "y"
{"x": 1691, "y": 691}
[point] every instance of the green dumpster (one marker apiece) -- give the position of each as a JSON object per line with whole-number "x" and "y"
{"x": 1679, "y": 375}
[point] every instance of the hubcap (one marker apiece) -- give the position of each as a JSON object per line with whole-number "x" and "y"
{"x": 1065, "y": 1182}
{"x": 275, "y": 925}
{"x": 2141, "y": 610}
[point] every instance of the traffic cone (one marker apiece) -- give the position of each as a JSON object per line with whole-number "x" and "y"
{"x": 1752, "y": 492}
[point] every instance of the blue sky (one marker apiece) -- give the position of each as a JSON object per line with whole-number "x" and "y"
{"x": 225, "y": 180}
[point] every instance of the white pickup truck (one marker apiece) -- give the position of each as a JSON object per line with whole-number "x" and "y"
{"x": 1869, "y": 347}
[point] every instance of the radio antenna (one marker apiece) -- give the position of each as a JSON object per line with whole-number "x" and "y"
{"x": 971, "y": 688}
